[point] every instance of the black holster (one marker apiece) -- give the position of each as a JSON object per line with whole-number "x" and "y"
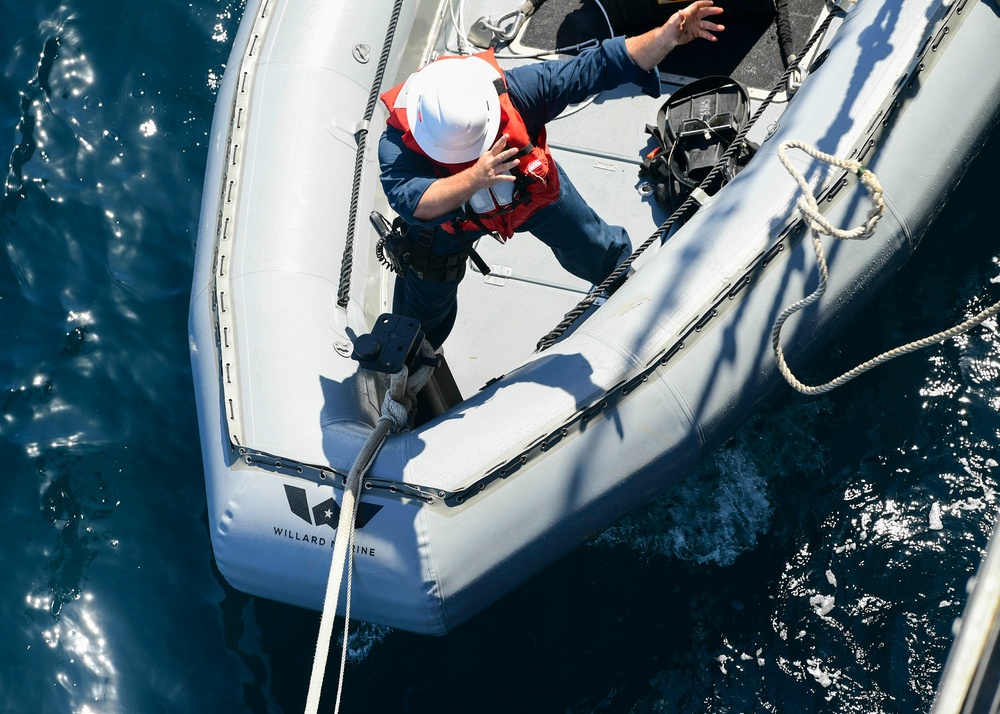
{"x": 403, "y": 248}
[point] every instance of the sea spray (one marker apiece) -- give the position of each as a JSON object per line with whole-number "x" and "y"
{"x": 361, "y": 638}
{"x": 718, "y": 511}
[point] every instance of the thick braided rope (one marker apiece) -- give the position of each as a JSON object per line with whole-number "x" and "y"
{"x": 810, "y": 210}
{"x": 398, "y": 405}
{"x": 347, "y": 262}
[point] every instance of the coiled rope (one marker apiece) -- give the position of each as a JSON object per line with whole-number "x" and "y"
{"x": 821, "y": 226}
{"x": 397, "y": 408}
{"x": 810, "y": 207}
{"x": 347, "y": 262}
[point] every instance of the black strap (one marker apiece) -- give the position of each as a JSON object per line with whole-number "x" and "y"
{"x": 484, "y": 268}
{"x": 501, "y": 87}
{"x": 425, "y": 234}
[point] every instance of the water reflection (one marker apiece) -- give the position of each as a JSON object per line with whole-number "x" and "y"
{"x": 874, "y": 489}
{"x": 80, "y": 653}
{"x": 106, "y": 112}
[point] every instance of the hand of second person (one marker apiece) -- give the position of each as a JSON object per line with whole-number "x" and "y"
{"x": 650, "y": 48}
{"x": 691, "y": 23}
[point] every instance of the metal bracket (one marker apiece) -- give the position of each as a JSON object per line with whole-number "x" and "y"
{"x": 498, "y": 275}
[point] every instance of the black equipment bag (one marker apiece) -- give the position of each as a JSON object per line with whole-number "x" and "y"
{"x": 694, "y": 128}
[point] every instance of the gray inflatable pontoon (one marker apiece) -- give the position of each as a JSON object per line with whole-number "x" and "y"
{"x": 542, "y": 449}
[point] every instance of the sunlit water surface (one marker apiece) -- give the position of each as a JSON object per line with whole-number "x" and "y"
{"x": 814, "y": 564}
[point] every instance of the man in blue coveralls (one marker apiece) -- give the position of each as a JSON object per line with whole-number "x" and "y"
{"x": 464, "y": 154}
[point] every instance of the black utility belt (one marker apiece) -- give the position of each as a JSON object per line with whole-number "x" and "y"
{"x": 402, "y": 255}
{"x": 435, "y": 268}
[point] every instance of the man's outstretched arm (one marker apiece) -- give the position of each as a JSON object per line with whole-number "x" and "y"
{"x": 650, "y": 48}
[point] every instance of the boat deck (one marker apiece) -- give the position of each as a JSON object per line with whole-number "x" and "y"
{"x": 600, "y": 144}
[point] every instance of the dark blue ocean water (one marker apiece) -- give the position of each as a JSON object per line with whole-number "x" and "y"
{"x": 814, "y": 564}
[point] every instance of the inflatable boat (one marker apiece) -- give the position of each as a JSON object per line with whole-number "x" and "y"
{"x": 557, "y": 407}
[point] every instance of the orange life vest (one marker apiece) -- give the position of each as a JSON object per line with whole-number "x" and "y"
{"x": 536, "y": 179}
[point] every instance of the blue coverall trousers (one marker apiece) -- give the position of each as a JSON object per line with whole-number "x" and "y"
{"x": 582, "y": 242}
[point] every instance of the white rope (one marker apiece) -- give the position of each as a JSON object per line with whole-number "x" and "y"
{"x": 820, "y": 226}
{"x": 807, "y": 202}
{"x": 398, "y": 405}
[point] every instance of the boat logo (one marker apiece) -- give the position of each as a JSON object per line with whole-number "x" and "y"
{"x": 326, "y": 513}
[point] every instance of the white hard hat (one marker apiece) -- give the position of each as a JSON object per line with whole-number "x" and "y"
{"x": 453, "y": 109}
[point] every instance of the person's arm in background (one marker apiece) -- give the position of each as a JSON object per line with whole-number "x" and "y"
{"x": 542, "y": 90}
{"x": 650, "y": 48}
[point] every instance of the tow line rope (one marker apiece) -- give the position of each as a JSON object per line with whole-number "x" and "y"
{"x": 821, "y": 226}
{"x": 398, "y": 405}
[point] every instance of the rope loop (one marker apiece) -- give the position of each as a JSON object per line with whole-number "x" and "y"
{"x": 808, "y": 205}
{"x": 400, "y": 402}
{"x": 820, "y": 226}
